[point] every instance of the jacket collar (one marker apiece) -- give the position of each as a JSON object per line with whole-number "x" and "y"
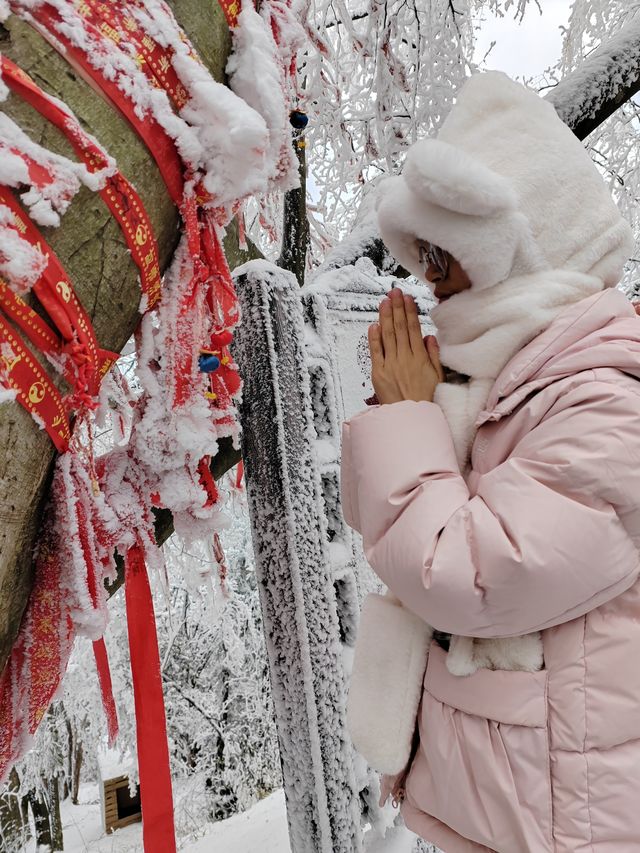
{"x": 541, "y": 362}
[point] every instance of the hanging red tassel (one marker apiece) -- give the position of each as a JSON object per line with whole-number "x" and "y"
{"x": 239, "y": 475}
{"x": 106, "y": 689}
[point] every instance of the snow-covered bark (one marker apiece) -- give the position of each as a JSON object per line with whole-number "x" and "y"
{"x": 293, "y": 564}
{"x": 600, "y": 69}
{"x": 600, "y": 84}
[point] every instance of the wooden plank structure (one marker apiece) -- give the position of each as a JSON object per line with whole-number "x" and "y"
{"x": 119, "y": 808}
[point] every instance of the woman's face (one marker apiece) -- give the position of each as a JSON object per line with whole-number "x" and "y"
{"x": 448, "y": 278}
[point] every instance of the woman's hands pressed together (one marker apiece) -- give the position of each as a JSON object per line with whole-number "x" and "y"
{"x": 404, "y": 366}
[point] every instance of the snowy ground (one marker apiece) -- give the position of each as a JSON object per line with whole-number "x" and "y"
{"x": 262, "y": 829}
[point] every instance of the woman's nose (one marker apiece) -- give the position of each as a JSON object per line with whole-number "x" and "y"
{"x": 433, "y": 274}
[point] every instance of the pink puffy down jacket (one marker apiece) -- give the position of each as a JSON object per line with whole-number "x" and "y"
{"x": 543, "y": 535}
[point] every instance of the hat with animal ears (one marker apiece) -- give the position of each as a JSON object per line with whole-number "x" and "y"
{"x": 507, "y": 189}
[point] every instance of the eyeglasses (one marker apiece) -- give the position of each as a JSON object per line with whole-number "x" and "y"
{"x": 431, "y": 255}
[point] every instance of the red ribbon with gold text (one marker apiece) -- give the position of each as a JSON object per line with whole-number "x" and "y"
{"x": 21, "y": 371}
{"x": 118, "y": 194}
{"x": 57, "y": 296}
{"x": 32, "y": 674}
{"x": 231, "y": 9}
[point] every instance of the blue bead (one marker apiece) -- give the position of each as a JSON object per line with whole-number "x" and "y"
{"x": 298, "y": 119}
{"x": 208, "y": 363}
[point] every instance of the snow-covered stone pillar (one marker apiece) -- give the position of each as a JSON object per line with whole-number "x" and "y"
{"x": 289, "y": 532}
{"x": 340, "y": 302}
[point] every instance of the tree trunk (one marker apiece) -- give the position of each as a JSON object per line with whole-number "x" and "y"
{"x": 91, "y": 247}
{"x": 295, "y": 232}
{"x": 11, "y": 814}
{"x": 55, "y": 820}
{"x": 40, "y": 812}
{"x": 24, "y": 811}
{"x": 68, "y": 753}
{"x": 76, "y": 759}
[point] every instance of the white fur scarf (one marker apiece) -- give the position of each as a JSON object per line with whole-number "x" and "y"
{"x": 478, "y": 333}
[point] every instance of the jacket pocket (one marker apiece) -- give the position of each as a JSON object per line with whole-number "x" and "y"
{"x": 483, "y": 764}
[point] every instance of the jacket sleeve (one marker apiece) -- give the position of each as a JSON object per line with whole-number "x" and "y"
{"x": 541, "y": 541}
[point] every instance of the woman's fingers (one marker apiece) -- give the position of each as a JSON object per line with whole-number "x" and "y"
{"x": 433, "y": 349}
{"x": 387, "y": 329}
{"x": 400, "y": 322}
{"x": 413, "y": 325}
{"x": 375, "y": 346}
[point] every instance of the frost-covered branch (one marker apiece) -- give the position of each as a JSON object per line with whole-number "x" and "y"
{"x": 608, "y": 78}
{"x": 295, "y": 229}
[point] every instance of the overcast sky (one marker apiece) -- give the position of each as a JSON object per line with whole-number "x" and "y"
{"x": 528, "y": 48}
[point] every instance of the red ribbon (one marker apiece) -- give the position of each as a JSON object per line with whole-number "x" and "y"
{"x": 38, "y": 658}
{"x": 40, "y": 176}
{"x": 231, "y": 9}
{"x": 119, "y": 195}
{"x": 56, "y": 293}
{"x": 20, "y": 370}
{"x": 151, "y": 727}
{"x": 106, "y": 688}
{"x": 161, "y": 146}
{"x": 30, "y": 323}
{"x": 155, "y": 60}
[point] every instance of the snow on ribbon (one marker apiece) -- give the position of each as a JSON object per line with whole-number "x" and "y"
{"x": 168, "y": 442}
{"x": 220, "y": 138}
{"x": 21, "y": 263}
{"x": 257, "y": 74}
{"x": 49, "y": 182}
{"x": 52, "y": 179}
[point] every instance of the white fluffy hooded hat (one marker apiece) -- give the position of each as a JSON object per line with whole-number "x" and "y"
{"x": 507, "y": 189}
